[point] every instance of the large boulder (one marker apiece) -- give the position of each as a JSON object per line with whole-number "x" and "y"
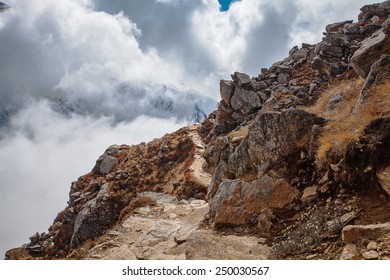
{"x": 239, "y": 203}
{"x": 226, "y": 90}
{"x": 224, "y": 119}
{"x": 331, "y": 51}
{"x": 371, "y": 51}
{"x": 275, "y": 141}
{"x": 334, "y": 27}
{"x": 107, "y": 161}
{"x": 96, "y": 216}
{"x": 326, "y": 68}
{"x": 356, "y": 233}
{"x": 245, "y": 101}
{"x": 108, "y": 164}
{"x": 241, "y": 79}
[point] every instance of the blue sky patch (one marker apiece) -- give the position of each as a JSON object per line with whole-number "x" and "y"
{"x": 225, "y": 4}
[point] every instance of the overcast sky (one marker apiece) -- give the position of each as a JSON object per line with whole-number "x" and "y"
{"x": 87, "y": 49}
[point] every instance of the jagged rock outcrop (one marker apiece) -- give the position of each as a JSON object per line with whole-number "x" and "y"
{"x": 371, "y": 50}
{"x": 274, "y": 141}
{"x": 96, "y": 216}
{"x": 265, "y": 176}
{"x": 381, "y": 10}
{"x": 299, "y": 78}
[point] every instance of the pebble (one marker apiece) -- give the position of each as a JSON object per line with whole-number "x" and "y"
{"x": 372, "y": 246}
{"x": 343, "y": 191}
{"x": 113, "y": 233}
{"x": 371, "y": 255}
{"x": 349, "y": 252}
{"x": 327, "y": 250}
{"x": 172, "y": 216}
{"x": 310, "y": 257}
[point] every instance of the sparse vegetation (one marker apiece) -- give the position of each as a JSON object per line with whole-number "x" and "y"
{"x": 241, "y": 133}
{"x": 351, "y": 89}
{"x": 346, "y": 126}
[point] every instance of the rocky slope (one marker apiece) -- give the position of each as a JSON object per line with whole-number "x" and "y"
{"x": 294, "y": 164}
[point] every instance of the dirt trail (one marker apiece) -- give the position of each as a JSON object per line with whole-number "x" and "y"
{"x": 170, "y": 230}
{"x": 196, "y": 167}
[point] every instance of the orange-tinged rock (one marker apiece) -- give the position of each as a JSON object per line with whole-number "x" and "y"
{"x": 239, "y": 203}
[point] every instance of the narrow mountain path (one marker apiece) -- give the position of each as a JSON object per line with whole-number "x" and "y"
{"x": 171, "y": 228}
{"x": 170, "y": 231}
{"x": 196, "y": 168}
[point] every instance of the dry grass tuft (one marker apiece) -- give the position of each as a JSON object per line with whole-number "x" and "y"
{"x": 241, "y": 133}
{"x": 351, "y": 89}
{"x": 344, "y": 126}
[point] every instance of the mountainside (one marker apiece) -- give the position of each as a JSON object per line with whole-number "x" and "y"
{"x": 294, "y": 164}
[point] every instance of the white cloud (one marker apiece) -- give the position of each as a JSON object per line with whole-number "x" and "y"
{"x": 224, "y": 35}
{"x": 85, "y": 54}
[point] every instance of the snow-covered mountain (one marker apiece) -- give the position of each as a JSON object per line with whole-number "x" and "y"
{"x": 125, "y": 103}
{"x": 183, "y": 105}
{"x": 3, "y": 6}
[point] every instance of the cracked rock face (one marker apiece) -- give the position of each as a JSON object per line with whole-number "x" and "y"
{"x": 238, "y": 203}
{"x": 245, "y": 101}
{"x": 96, "y": 216}
{"x": 371, "y": 51}
{"x": 272, "y": 139}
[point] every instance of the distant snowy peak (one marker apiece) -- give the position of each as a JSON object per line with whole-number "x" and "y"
{"x": 124, "y": 104}
{"x": 5, "y": 113}
{"x": 3, "y": 6}
{"x": 128, "y": 102}
{"x": 187, "y": 106}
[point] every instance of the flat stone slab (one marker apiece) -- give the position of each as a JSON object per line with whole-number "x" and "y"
{"x": 208, "y": 245}
{"x": 354, "y": 233}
